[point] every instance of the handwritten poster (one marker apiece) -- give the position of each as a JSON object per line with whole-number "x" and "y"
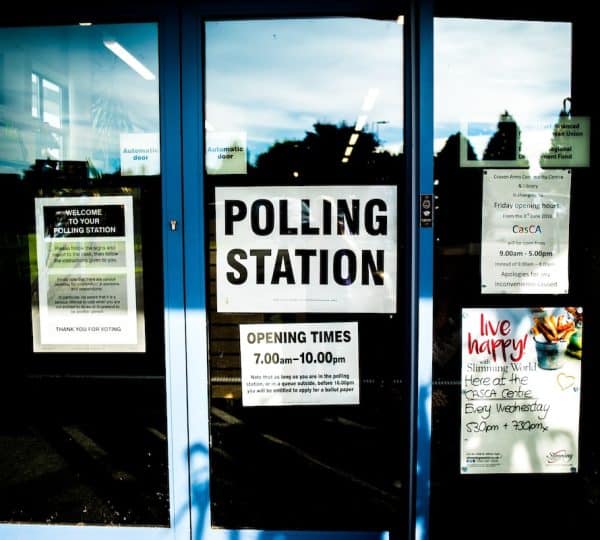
{"x": 525, "y": 232}
{"x": 521, "y": 379}
{"x": 85, "y": 299}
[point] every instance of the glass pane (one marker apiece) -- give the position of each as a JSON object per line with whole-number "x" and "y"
{"x": 304, "y": 137}
{"x": 110, "y": 127}
{"x": 505, "y": 110}
{"x": 511, "y": 288}
{"x": 83, "y": 428}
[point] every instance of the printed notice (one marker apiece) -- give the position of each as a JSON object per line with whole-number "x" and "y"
{"x": 299, "y": 364}
{"x": 570, "y": 144}
{"x": 306, "y": 249}
{"x": 140, "y": 154}
{"x": 525, "y": 232}
{"x": 86, "y": 297}
{"x": 521, "y": 378}
{"x": 226, "y": 152}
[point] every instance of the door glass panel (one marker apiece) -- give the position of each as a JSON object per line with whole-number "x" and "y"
{"x": 83, "y": 430}
{"x": 304, "y": 129}
{"x": 512, "y": 255}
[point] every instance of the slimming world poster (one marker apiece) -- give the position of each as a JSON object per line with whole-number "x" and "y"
{"x": 521, "y": 383}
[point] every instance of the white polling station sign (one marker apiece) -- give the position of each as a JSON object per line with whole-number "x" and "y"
{"x": 306, "y": 249}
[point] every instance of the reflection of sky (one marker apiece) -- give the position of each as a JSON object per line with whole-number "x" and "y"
{"x": 274, "y": 79}
{"x": 484, "y": 67}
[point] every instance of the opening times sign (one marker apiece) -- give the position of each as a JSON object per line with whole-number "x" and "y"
{"x": 86, "y": 297}
{"x": 299, "y": 364}
{"x": 525, "y": 232}
{"x": 521, "y": 378}
{"x": 306, "y": 249}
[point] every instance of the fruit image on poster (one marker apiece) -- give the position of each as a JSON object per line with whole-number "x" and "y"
{"x": 521, "y": 380}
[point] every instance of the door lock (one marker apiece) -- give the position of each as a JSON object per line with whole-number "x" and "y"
{"x": 426, "y": 210}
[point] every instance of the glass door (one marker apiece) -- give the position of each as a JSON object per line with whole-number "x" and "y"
{"x": 515, "y": 275}
{"x": 302, "y": 178}
{"x": 86, "y": 436}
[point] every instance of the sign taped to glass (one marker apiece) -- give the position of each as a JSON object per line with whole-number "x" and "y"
{"x": 86, "y": 290}
{"x": 306, "y": 249}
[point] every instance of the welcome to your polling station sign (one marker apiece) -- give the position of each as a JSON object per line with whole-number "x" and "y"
{"x": 306, "y": 249}
{"x": 86, "y": 276}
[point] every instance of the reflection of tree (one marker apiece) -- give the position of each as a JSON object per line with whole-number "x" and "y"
{"x": 457, "y": 189}
{"x": 457, "y": 229}
{"x": 505, "y": 143}
{"x": 449, "y": 158}
{"x": 318, "y": 158}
